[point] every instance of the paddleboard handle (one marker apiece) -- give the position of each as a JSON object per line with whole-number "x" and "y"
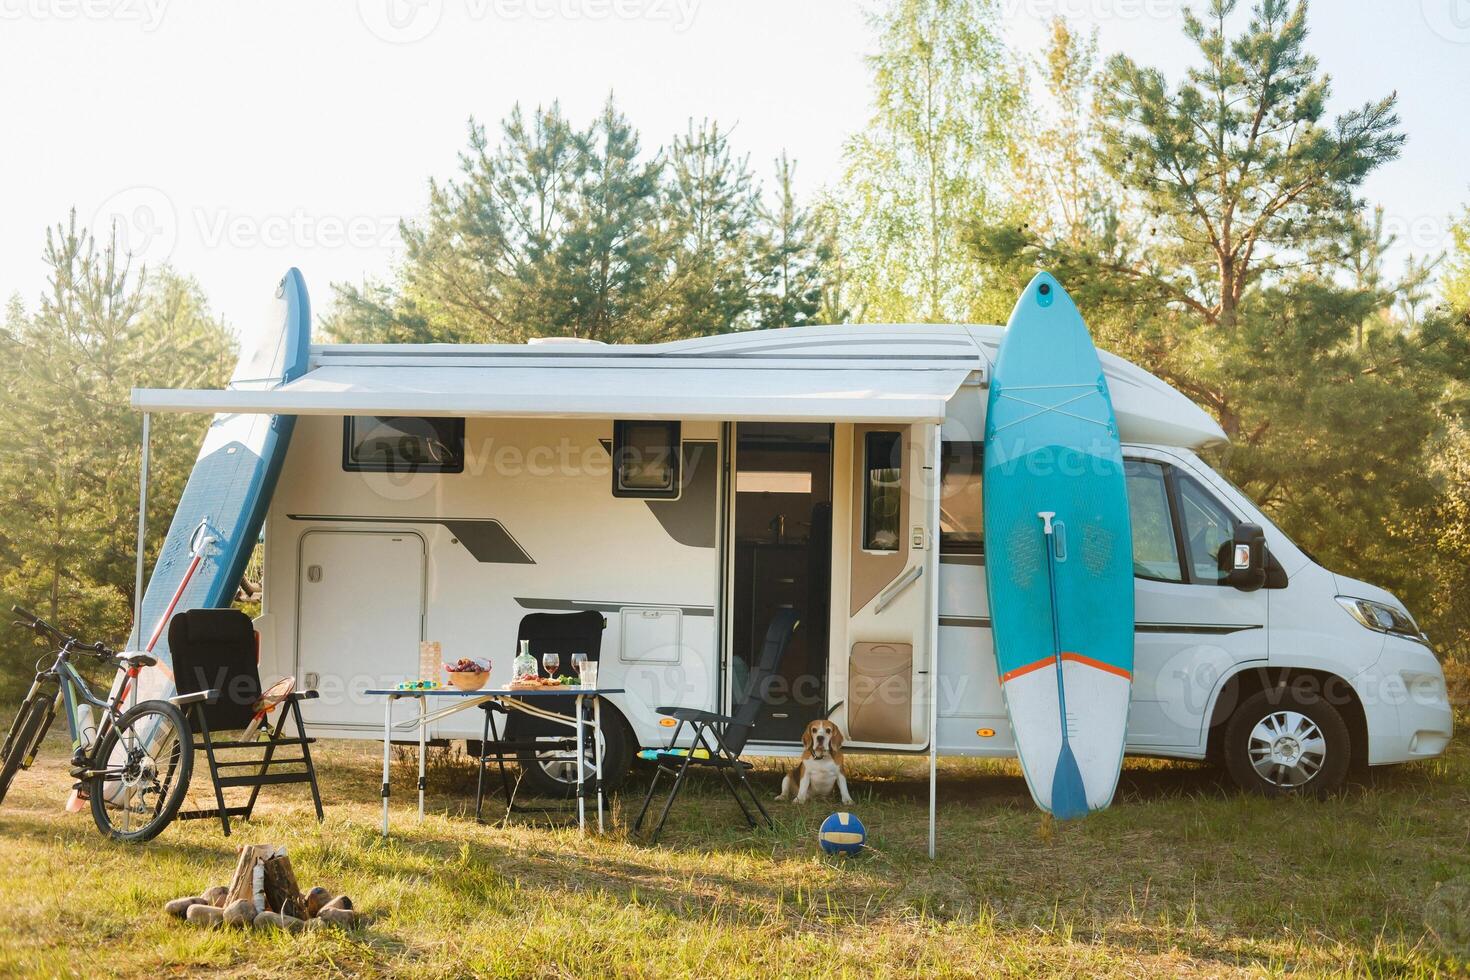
{"x": 199, "y": 544}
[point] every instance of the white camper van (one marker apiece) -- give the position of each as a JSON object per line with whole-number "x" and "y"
{"x": 688, "y": 490}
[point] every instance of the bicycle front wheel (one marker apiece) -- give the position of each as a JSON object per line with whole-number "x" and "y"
{"x": 141, "y": 772}
{"x": 25, "y": 737}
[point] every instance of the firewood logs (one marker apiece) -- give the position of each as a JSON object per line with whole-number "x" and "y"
{"x": 263, "y": 893}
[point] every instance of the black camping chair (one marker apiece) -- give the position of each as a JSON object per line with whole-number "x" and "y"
{"x": 723, "y": 737}
{"x": 527, "y": 735}
{"x": 214, "y": 654}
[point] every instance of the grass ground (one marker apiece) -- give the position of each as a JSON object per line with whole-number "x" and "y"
{"x": 1182, "y": 877}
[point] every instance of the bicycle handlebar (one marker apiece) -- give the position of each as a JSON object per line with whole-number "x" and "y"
{"x": 40, "y": 627}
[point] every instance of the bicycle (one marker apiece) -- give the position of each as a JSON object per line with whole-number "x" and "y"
{"x": 134, "y": 768}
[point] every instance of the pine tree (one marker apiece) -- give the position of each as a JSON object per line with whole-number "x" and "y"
{"x": 1231, "y": 275}
{"x": 68, "y": 483}
{"x": 556, "y": 231}
{"x": 712, "y": 210}
{"x": 602, "y": 275}
{"x": 797, "y": 255}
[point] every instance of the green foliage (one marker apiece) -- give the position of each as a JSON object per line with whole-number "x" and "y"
{"x": 1060, "y": 186}
{"x": 935, "y": 154}
{"x": 579, "y": 233}
{"x": 69, "y": 471}
{"x": 1457, "y": 273}
{"x": 801, "y": 289}
{"x": 1237, "y": 263}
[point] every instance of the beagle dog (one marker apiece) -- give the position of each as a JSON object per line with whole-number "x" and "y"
{"x": 820, "y": 768}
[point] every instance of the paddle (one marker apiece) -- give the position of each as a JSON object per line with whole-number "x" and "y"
{"x": 1068, "y": 795}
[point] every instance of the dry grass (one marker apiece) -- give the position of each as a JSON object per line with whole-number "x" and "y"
{"x": 1183, "y": 877}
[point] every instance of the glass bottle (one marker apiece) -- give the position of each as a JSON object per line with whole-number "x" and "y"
{"x": 525, "y": 664}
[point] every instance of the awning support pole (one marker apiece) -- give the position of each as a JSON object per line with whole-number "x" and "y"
{"x": 142, "y": 531}
{"x": 931, "y": 625}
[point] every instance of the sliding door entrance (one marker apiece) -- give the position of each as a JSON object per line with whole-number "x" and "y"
{"x": 781, "y": 551}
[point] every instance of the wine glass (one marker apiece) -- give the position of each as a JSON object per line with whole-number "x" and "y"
{"x": 551, "y": 661}
{"x": 579, "y": 660}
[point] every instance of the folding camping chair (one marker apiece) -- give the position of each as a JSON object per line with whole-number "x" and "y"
{"x": 722, "y": 737}
{"x": 525, "y": 735}
{"x": 215, "y": 652}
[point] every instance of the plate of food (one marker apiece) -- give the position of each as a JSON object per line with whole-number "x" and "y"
{"x": 542, "y": 683}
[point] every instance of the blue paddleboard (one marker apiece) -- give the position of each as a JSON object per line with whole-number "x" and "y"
{"x": 1059, "y": 554}
{"x": 219, "y": 516}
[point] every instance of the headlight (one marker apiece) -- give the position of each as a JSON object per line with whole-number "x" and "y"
{"x": 1381, "y": 618}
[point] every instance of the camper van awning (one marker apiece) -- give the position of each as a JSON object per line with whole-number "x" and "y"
{"x": 662, "y": 391}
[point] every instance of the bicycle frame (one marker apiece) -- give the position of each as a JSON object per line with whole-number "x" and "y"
{"x": 73, "y": 691}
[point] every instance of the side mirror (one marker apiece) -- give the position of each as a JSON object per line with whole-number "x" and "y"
{"x": 1247, "y": 569}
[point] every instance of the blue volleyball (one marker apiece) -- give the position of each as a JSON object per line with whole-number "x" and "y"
{"x": 842, "y": 833}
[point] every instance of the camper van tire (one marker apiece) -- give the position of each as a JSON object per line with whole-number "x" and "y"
{"x": 1283, "y": 743}
{"x": 558, "y": 780}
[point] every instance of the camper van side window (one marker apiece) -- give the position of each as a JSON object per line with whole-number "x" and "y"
{"x": 400, "y": 444}
{"x": 1209, "y": 531}
{"x": 882, "y": 490}
{"x": 1155, "y": 546}
{"x": 961, "y": 517}
{"x": 646, "y": 460}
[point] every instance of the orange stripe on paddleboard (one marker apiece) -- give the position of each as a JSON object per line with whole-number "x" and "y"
{"x": 1108, "y": 668}
{"x": 1025, "y": 669}
{"x": 1021, "y": 671}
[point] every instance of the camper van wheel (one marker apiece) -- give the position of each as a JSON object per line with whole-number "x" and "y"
{"x": 1284, "y": 743}
{"x": 552, "y": 775}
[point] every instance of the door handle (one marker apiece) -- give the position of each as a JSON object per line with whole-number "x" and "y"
{"x": 908, "y": 578}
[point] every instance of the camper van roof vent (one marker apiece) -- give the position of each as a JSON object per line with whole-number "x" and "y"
{"x": 536, "y": 341}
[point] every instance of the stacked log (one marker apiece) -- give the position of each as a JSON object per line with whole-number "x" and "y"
{"x": 263, "y": 894}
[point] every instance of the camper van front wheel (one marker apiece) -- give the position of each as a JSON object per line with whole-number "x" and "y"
{"x": 1282, "y": 742}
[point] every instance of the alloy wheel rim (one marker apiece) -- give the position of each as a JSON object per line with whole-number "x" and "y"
{"x": 1287, "y": 749}
{"x": 564, "y": 770}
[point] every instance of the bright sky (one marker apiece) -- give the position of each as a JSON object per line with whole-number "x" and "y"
{"x": 234, "y": 138}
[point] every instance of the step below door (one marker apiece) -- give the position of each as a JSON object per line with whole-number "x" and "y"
{"x": 359, "y": 621}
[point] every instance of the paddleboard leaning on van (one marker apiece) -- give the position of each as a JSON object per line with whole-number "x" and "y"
{"x": 218, "y": 519}
{"x": 1061, "y": 554}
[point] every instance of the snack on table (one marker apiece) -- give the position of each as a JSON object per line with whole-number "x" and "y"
{"x": 468, "y": 674}
{"x": 465, "y": 665}
{"x": 539, "y": 683}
